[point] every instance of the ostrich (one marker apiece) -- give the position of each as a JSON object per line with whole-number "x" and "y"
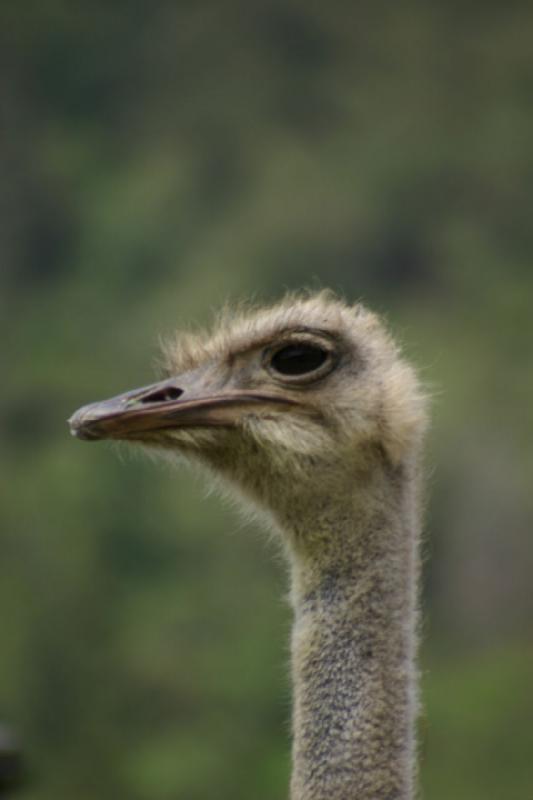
{"x": 308, "y": 412}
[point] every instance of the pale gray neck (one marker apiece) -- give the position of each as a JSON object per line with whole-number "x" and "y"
{"x": 353, "y": 647}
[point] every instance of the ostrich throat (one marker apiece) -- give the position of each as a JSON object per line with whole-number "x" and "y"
{"x": 353, "y": 642}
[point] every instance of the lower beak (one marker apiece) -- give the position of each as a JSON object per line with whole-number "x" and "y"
{"x": 163, "y": 406}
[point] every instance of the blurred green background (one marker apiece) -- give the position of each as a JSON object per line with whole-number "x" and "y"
{"x": 157, "y": 159}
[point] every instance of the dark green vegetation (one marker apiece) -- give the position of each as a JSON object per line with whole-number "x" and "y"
{"x": 157, "y": 159}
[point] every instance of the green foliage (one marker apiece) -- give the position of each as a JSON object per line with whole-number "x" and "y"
{"x": 157, "y": 160}
{"x": 478, "y": 736}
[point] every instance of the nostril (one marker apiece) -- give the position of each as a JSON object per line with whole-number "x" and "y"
{"x": 162, "y": 395}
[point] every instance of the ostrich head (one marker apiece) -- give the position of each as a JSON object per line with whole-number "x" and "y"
{"x": 289, "y": 404}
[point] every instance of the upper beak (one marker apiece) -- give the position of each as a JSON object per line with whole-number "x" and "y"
{"x": 166, "y": 405}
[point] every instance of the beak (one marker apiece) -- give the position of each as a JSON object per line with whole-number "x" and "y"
{"x": 167, "y": 405}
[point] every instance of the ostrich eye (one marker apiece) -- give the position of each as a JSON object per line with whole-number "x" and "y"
{"x": 298, "y": 359}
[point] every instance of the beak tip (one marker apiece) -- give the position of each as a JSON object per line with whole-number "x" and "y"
{"x": 84, "y": 434}
{"x": 79, "y": 428}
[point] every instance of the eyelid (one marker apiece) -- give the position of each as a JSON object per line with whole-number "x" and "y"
{"x": 302, "y": 337}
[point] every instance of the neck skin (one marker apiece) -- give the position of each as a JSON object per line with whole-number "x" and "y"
{"x": 353, "y": 644}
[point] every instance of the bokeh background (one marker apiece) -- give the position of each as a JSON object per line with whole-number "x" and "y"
{"x": 156, "y": 160}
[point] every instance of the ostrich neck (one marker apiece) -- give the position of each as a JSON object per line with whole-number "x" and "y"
{"x": 353, "y": 647}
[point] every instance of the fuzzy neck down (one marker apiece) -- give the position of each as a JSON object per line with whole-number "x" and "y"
{"x": 353, "y": 645}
